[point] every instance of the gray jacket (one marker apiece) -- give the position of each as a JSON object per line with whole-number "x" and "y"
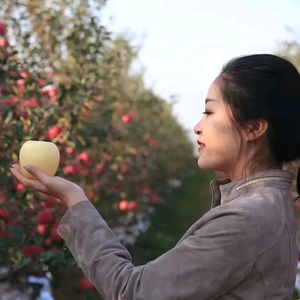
{"x": 243, "y": 248}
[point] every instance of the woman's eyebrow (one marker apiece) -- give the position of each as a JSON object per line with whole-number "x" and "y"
{"x": 209, "y": 100}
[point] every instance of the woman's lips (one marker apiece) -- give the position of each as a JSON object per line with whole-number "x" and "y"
{"x": 202, "y": 146}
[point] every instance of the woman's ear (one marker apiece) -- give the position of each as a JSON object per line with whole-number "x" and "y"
{"x": 256, "y": 129}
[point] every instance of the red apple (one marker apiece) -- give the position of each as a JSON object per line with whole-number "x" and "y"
{"x": 32, "y": 103}
{"x": 123, "y": 205}
{"x": 50, "y": 202}
{"x": 42, "y": 82}
{"x": 48, "y": 242}
{"x": 54, "y": 131}
{"x": 4, "y": 43}
{"x": 72, "y": 169}
{"x": 41, "y": 229}
{"x": 20, "y": 187}
{"x": 31, "y": 250}
{"x": 4, "y": 214}
{"x": 25, "y": 74}
{"x": 53, "y": 91}
{"x": 68, "y": 170}
{"x": 21, "y": 82}
{"x": 83, "y": 157}
{"x": 127, "y": 205}
{"x": 127, "y": 119}
{"x": 3, "y": 28}
{"x": 132, "y": 205}
{"x": 44, "y": 217}
{"x": 153, "y": 143}
{"x": 70, "y": 150}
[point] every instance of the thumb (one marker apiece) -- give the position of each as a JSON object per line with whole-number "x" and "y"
{"x": 37, "y": 173}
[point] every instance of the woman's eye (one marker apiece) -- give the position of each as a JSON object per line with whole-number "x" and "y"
{"x": 207, "y": 113}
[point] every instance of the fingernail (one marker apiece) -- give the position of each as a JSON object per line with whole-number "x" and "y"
{"x": 28, "y": 168}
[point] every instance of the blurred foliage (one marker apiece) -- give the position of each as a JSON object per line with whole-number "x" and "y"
{"x": 65, "y": 79}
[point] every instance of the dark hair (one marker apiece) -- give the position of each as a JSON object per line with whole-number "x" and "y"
{"x": 266, "y": 86}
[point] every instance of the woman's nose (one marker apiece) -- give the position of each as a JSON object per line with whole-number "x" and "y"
{"x": 197, "y": 128}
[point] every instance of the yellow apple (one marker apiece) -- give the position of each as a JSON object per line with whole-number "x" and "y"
{"x": 43, "y": 155}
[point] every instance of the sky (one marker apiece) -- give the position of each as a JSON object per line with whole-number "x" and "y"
{"x": 185, "y": 43}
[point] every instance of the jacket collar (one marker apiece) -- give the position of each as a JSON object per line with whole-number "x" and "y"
{"x": 225, "y": 190}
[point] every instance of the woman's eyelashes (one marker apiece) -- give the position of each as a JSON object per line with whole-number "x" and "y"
{"x": 206, "y": 112}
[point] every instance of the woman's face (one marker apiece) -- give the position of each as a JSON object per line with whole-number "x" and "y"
{"x": 221, "y": 142}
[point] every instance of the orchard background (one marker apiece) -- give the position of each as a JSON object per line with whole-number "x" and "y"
{"x": 65, "y": 79}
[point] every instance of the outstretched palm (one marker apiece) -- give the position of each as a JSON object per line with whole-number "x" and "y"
{"x": 54, "y": 186}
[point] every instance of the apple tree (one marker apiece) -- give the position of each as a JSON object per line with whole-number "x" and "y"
{"x": 64, "y": 78}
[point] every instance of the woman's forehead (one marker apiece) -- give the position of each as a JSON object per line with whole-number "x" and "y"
{"x": 214, "y": 93}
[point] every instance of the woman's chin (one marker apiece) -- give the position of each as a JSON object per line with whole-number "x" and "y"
{"x": 204, "y": 164}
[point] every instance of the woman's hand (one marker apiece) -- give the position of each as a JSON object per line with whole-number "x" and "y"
{"x": 60, "y": 188}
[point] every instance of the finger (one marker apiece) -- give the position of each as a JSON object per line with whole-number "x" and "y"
{"x": 17, "y": 169}
{"x": 37, "y": 185}
{"x": 16, "y": 166}
{"x": 17, "y": 172}
{"x": 37, "y": 173}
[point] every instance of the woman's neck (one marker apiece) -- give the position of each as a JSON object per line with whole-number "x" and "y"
{"x": 239, "y": 174}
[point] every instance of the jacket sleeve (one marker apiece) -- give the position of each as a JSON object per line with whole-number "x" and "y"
{"x": 205, "y": 265}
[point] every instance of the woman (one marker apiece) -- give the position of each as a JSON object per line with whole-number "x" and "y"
{"x": 245, "y": 246}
